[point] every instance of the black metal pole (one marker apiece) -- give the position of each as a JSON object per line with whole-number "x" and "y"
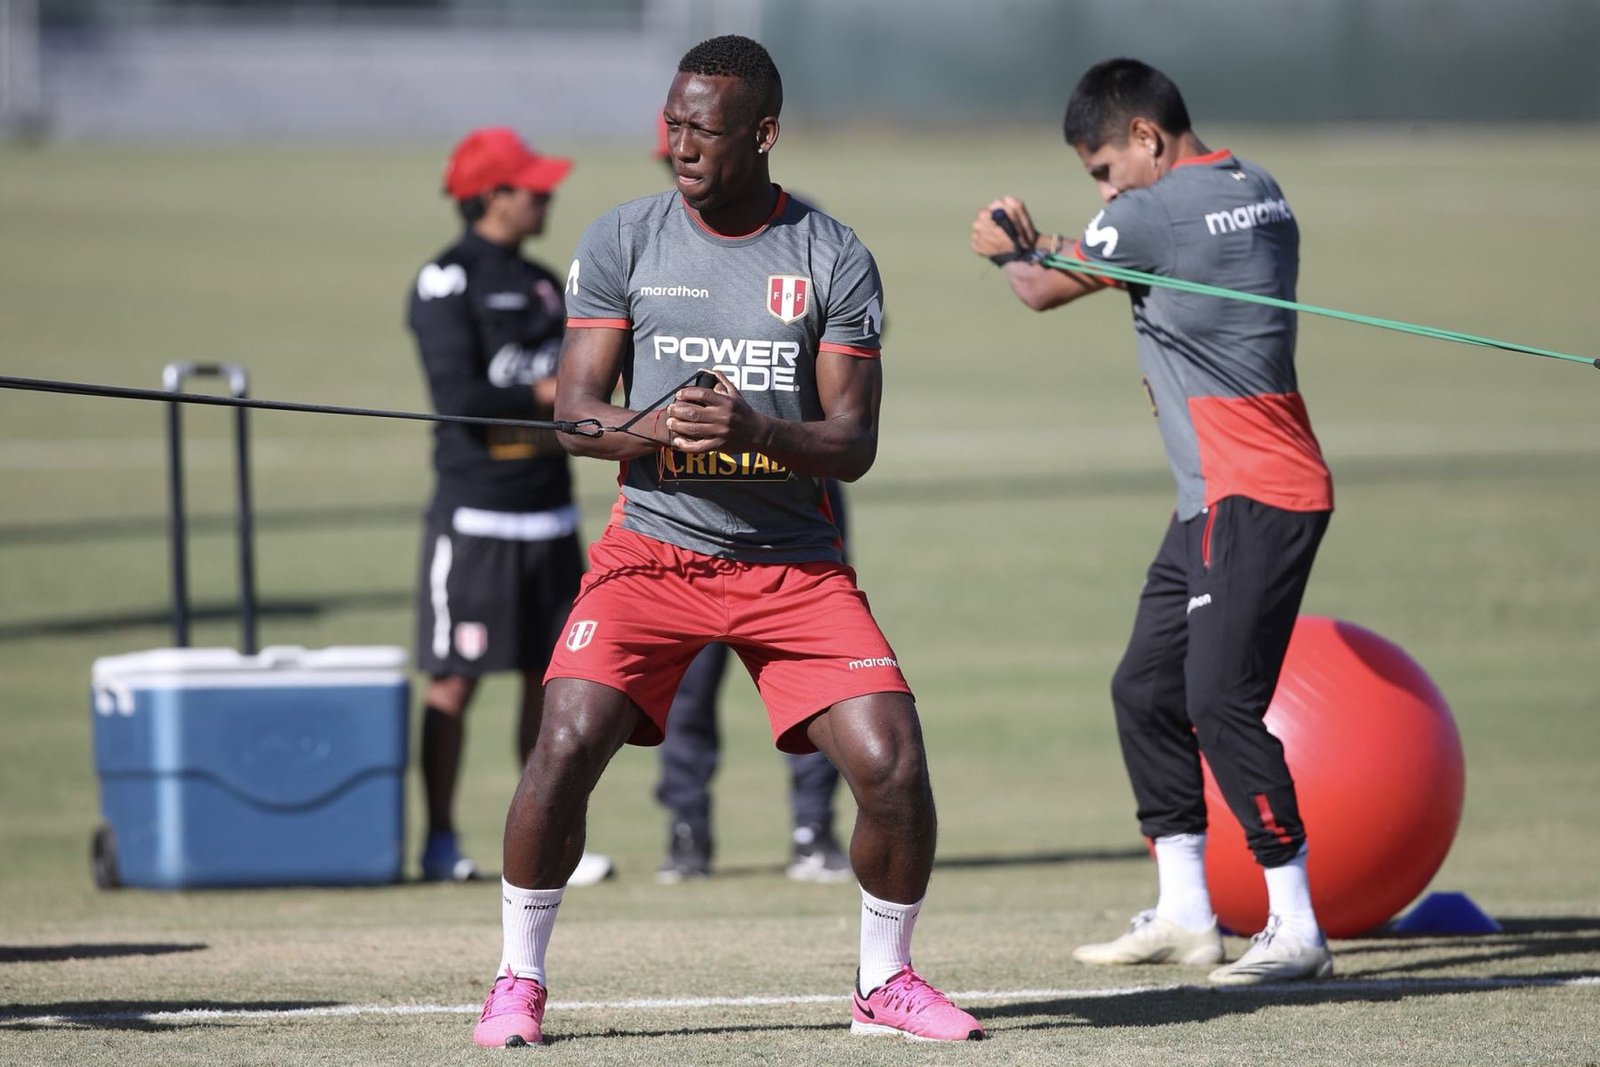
{"x": 240, "y": 386}
{"x": 173, "y": 380}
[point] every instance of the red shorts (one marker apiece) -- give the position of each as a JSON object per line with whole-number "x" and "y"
{"x": 803, "y": 630}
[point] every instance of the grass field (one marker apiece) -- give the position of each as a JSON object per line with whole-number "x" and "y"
{"x": 1018, "y": 495}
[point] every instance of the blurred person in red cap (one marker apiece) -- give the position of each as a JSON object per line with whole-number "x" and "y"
{"x": 501, "y": 559}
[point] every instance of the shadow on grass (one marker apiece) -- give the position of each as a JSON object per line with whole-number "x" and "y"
{"x": 945, "y": 492}
{"x": 1417, "y": 966}
{"x": 1560, "y": 466}
{"x": 1042, "y": 859}
{"x": 57, "y": 953}
{"x": 696, "y": 1031}
{"x": 1521, "y": 939}
{"x": 973, "y": 862}
{"x": 952, "y": 863}
{"x": 1167, "y": 1006}
{"x": 135, "y": 1015}
{"x": 66, "y": 532}
{"x": 977, "y": 862}
{"x": 141, "y": 618}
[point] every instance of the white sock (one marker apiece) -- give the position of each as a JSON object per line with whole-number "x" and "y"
{"x": 885, "y": 939}
{"x": 527, "y": 918}
{"x": 1181, "y": 870}
{"x": 1289, "y": 898}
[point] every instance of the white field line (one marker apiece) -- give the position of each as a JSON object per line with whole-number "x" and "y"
{"x": 1421, "y": 986}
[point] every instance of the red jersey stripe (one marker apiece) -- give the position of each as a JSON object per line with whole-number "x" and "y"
{"x": 599, "y": 324}
{"x": 1076, "y": 252}
{"x": 1260, "y": 447}
{"x": 1210, "y": 157}
{"x": 850, "y": 350}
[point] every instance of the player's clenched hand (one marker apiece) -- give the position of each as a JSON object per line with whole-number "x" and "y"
{"x": 988, "y": 239}
{"x": 705, "y": 420}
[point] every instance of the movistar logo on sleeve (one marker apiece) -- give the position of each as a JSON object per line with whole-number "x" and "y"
{"x": 1101, "y": 237}
{"x": 436, "y": 281}
{"x": 872, "y": 319}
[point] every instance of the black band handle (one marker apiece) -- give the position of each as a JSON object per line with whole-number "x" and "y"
{"x": 1002, "y": 220}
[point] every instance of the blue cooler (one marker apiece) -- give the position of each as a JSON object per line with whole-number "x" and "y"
{"x": 218, "y": 768}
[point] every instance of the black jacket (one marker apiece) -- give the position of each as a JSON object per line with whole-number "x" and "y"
{"x": 488, "y": 324}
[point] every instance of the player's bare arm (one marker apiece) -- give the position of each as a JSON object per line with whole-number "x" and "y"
{"x": 1040, "y": 288}
{"x": 842, "y": 445}
{"x": 591, "y": 366}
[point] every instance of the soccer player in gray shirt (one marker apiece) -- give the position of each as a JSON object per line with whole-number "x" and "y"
{"x": 1254, "y": 496}
{"x": 722, "y": 531}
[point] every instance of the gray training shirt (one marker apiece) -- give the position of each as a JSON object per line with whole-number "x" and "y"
{"x": 758, "y": 308}
{"x": 1220, "y": 373}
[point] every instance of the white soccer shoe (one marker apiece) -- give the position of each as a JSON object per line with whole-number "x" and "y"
{"x": 1152, "y": 939}
{"x": 1276, "y": 956}
{"x": 592, "y": 869}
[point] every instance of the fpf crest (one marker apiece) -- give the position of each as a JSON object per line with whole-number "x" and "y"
{"x": 788, "y": 296}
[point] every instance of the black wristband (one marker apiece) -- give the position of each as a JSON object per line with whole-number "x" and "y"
{"x": 1003, "y": 258}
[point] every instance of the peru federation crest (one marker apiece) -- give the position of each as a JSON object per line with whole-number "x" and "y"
{"x": 580, "y": 634}
{"x": 472, "y": 639}
{"x": 788, "y": 296}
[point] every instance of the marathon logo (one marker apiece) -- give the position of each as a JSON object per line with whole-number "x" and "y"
{"x": 1261, "y": 213}
{"x": 676, "y": 466}
{"x": 873, "y": 661}
{"x": 753, "y": 366}
{"x": 675, "y": 290}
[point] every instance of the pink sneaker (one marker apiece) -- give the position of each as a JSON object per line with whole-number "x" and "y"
{"x": 512, "y": 1014}
{"x": 906, "y": 1006}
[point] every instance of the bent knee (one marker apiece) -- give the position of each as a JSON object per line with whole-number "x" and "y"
{"x": 884, "y": 765}
{"x": 585, "y": 722}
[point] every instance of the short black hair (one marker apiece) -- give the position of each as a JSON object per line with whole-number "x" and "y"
{"x": 733, "y": 56}
{"x": 1114, "y": 92}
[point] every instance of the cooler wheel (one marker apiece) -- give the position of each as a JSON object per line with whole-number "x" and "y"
{"x": 103, "y": 857}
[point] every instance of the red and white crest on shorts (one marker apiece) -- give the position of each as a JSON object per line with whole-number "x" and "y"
{"x": 580, "y": 634}
{"x": 471, "y": 639}
{"x": 788, "y": 295}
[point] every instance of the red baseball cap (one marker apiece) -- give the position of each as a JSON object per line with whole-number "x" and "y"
{"x": 493, "y": 156}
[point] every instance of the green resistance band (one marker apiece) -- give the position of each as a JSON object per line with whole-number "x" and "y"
{"x": 1124, "y": 274}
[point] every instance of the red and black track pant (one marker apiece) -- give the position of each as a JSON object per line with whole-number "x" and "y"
{"x": 1214, "y": 618}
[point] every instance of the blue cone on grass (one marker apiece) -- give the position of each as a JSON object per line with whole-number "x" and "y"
{"x": 1445, "y": 913}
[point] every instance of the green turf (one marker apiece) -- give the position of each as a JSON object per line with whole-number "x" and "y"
{"x": 1002, "y": 535}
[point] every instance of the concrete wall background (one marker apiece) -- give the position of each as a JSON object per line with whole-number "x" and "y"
{"x": 377, "y": 75}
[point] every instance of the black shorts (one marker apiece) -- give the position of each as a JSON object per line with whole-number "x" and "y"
{"x": 488, "y": 604}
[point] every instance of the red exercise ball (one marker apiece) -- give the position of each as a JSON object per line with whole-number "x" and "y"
{"x": 1378, "y": 772}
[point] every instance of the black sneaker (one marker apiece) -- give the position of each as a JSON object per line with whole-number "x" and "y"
{"x": 817, "y": 857}
{"x": 688, "y": 854}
